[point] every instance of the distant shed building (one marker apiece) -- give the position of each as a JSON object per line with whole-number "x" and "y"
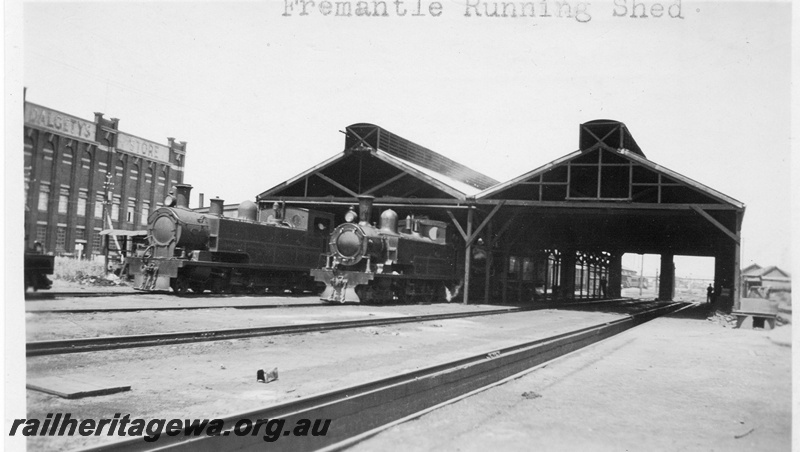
{"x": 85, "y": 179}
{"x": 772, "y": 277}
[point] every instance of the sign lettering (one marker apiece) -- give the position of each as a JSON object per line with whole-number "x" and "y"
{"x": 143, "y": 148}
{"x": 59, "y": 122}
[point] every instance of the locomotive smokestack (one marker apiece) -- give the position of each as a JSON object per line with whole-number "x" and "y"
{"x": 365, "y": 208}
{"x": 200, "y": 202}
{"x": 216, "y": 207}
{"x": 182, "y": 192}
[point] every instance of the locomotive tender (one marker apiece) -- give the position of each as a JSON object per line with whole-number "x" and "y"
{"x": 199, "y": 251}
{"x": 409, "y": 260}
{"x": 37, "y": 266}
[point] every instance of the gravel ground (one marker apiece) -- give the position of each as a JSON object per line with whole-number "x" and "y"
{"x": 214, "y": 379}
{"x": 51, "y": 326}
{"x": 673, "y": 384}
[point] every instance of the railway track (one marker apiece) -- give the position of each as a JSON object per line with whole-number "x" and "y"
{"x": 49, "y": 295}
{"x": 80, "y": 345}
{"x": 175, "y": 308}
{"x": 361, "y": 411}
{"x": 55, "y": 347}
{"x": 178, "y": 304}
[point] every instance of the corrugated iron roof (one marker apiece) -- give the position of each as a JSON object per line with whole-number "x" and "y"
{"x": 439, "y": 171}
{"x": 369, "y": 135}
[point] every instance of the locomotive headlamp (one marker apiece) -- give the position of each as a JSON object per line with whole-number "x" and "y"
{"x": 351, "y": 216}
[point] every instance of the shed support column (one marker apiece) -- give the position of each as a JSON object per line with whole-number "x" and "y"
{"x": 725, "y": 277}
{"x": 737, "y": 262}
{"x": 614, "y": 287}
{"x": 489, "y": 262}
{"x": 505, "y": 275}
{"x": 468, "y": 257}
{"x": 568, "y": 274}
{"x": 666, "y": 289}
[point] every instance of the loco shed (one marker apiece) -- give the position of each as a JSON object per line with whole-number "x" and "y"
{"x": 557, "y": 232}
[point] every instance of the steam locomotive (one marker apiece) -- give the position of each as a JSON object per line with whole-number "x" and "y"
{"x": 410, "y": 260}
{"x": 195, "y": 251}
{"x": 37, "y": 266}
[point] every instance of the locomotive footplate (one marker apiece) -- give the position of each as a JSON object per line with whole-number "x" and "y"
{"x": 340, "y": 285}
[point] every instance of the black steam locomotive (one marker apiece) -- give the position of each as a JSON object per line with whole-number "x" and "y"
{"x": 37, "y": 266}
{"x": 409, "y": 260}
{"x": 195, "y": 251}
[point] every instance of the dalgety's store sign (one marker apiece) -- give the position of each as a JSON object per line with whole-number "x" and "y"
{"x": 59, "y": 122}
{"x": 142, "y": 148}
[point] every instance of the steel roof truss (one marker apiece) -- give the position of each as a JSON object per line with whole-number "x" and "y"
{"x": 716, "y": 223}
{"x": 385, "y": 183}
{"x": 363, "y": 140}
{"x": 336, "y": 184}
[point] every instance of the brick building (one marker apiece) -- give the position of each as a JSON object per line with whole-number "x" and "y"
{"x": 83, "y": 177}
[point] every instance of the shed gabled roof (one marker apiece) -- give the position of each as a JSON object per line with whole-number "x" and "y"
{"x": 766, "y": 272}
{"x": 600, "y": 172}
{"x": 379, "y": 163}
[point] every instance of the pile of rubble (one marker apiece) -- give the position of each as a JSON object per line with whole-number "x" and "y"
{"x": 109, "y": 280}
{"x": 723, "y": 319}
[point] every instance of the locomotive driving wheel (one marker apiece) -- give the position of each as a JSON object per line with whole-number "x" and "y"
{"x": 197, "y": 287}
{"x": 180, "y": 285}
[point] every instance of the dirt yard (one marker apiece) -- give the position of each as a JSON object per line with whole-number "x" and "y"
{"x": 673, "y": 384}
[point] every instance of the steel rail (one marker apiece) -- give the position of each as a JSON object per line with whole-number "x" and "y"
{"x": 41, "y": 295}
{"x": 56, "y": 347}
{"x": 174, "y": 308}
{"x": 80, "y": 345}
{"x": 364, "y": 410}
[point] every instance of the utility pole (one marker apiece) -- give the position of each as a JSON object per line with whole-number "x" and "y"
{"x": 108, "y": 186}
{"x": 641, "y": 274}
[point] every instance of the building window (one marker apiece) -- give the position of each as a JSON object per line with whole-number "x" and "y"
{"x": 120, "y": 171}
{"x": 98, "y": 207}
{"x": 135, "y": 172}
{"x": 131, "y": 211}
{"x": 61, "y": 239}
{"x": 67, "y": 157}
{"x": 97, "y": 245}
{"x": 41, "y": 233}
{"x": 44, "y": 197}
{"x": 63, "y": 200}
{"x": 82, "y": 203}
{"x": 145, "y": 213}
{"x": 115, "y": 209}
{"x": 162, "y": 178}
{"x": 80, "y": 234}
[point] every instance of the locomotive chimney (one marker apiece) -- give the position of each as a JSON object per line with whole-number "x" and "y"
{"x": 200, "y": 201}
{"x": 216, "y": 207}
{"x": 182, "y": 192}
{"x": 365, "y": 208}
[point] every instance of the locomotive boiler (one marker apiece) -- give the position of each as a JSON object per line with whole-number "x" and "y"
{"x": 409, "y": 260}
{"x": 261, "y": 249}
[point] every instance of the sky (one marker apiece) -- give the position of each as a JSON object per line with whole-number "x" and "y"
{"x": 261, "y": 92}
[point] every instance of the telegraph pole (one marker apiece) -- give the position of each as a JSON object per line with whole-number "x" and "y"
{"x": 641, "y": 275}
{"x": 108, "y": 186}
